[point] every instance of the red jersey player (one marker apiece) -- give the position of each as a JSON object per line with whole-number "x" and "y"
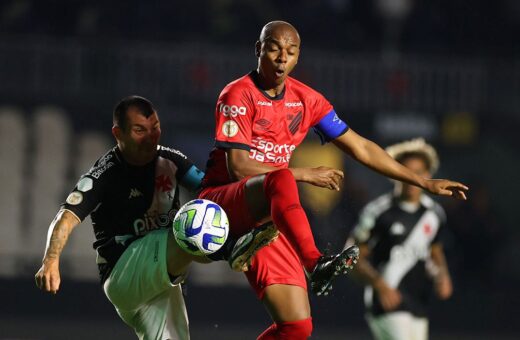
{"x": 260, "y": 119}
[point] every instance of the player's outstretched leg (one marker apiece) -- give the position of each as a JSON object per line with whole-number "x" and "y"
{"x": 249, "y": 244}
{"x": 330, "y": 266}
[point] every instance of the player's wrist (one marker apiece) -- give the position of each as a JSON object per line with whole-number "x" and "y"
{"x": 379, "y": 284}
{"x": 442, "y": 275}
{"x": 423, "y": 183}
{"x": 299, "y": 174}
{"x": 51, "y": 261}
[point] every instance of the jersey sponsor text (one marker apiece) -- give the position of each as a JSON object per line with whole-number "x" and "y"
{"x": 267, "y": 151}
{"x": 232, "y": 110}
{"x": 99, "y": 171}
{"x": 153, "y": 220}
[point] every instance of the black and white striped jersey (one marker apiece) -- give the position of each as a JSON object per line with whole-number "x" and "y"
{"x": 399, "y": 235}
{"x": 126, "y": 202}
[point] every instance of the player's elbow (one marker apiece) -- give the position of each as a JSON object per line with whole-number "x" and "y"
{"x": 237, "y": 164}
{"x": 235, "y": 169}
{"x": 235, "y": 173}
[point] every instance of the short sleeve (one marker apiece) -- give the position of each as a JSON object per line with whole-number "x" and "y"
{"x": 234, "y": 116}
{"x": 320, "y": 107}
{"x": 369, "y": 224}
{"x": 86, "y": 195}
{"x": 362, "y": 232}
{"x": 188, "y": 175}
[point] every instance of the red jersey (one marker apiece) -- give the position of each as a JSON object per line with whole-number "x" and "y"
{"x": 268, "y": 127}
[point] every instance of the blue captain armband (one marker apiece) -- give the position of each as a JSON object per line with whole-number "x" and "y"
{"x": 192, "y": 178}
{"x": 330, "y": 127}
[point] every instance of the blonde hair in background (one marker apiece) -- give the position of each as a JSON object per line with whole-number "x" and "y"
{"x": 415, "y": 146}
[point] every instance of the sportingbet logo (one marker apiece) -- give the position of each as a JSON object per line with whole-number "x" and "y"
{"x": 232, "y": 110}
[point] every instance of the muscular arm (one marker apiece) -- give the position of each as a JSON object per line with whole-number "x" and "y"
{"x": 240, "y": 165}
{"x": 48, "y": 276}
{"x": 371, "y": 155}
{"x": 442, "y": 279}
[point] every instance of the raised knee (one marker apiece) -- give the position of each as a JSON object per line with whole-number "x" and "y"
{"x": 278, "y": 177}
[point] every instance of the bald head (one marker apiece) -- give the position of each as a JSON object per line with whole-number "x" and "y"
{"x": 277, "y": 49}
{"x": 278, "y": 27}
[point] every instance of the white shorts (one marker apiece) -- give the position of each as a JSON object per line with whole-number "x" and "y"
{"x": 398, "y": 326}
{"x": 141, "y": 291}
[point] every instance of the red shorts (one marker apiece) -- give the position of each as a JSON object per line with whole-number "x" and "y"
{"x": 277, "y": 263}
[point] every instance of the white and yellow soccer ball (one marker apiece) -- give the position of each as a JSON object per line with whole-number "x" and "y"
{"x": 201, "y": 227}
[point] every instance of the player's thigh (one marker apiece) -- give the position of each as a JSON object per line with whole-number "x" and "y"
{"x": 141, "y": 272}
{"x": 163, "y": 317}
{"x": 286, "y": 302}
{"x": 391, "y": 326}
{"x": 243, "y": 212}
{"x": 255, "y": 198}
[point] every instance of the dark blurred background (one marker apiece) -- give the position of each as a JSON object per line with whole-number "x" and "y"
{"x": 448, "y": 71}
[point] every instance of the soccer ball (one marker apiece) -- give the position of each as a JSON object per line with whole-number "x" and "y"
{"x": 200, "y": 227}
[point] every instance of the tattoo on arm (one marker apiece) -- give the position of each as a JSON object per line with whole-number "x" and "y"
{"x": 58, "y": 234}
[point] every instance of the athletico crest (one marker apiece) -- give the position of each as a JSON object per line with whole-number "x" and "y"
{"x": 295, "y": 122}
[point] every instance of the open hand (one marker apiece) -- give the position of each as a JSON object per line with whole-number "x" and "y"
{"x": 389, "y": 297}
{"x": 446, "y": 187}
{"x": 324, "y": 177}
{"x": 443, "y": 287}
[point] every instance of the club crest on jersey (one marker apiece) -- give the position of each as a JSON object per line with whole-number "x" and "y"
{"x": 230, "y": 128}
{"x": 294, "y": 126}
{"x": 397, "y": 228}
{"x": 232, "y": 110}
{"x": 163, "y": 184}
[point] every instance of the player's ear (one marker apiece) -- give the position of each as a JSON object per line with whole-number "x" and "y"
{"x": 116, "y": 132}
{"x": 258, "y": 47}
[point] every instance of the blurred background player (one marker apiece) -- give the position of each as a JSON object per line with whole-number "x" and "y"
{"x": 260, "y": 119}
{"x": 401, "y": 253}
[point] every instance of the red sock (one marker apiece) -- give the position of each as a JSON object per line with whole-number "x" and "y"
{"x": 288, "y": 215}
{"x": 292, "y": 330}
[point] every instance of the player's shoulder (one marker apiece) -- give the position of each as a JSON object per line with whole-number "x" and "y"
{"x": 105, "y": 165}
{"x": 171, "y": 153}
{"x": 238, "y": 86}
{"x": 300, "y": 87}
{"x": 379, "y": 205}
{"x": 434, "y": 206}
